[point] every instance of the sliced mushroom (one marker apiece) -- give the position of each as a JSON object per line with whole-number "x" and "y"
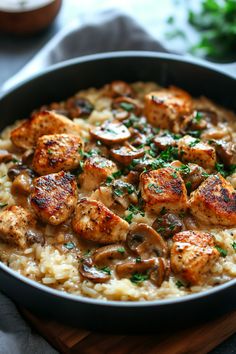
{"x": 78, "y": 107}
{"x": 88, "y": 271}
{"x": 5, "y": 156}
{"x": 27, "y": 157}
{"x": 127, "y": 104}
{"x": 22, "y": 183}
{"x": 127, "y": 269}
{"x": 104, "y": 255}
{"x": 126, "y": 154}
{"x": 119, "y": 88}
{"x": 35, "y": 236}
{"x": 159, "y": 273}
{"x": 162, "y": 142}
{"x": 144, "y": 241}
{"x": 17, "y": 169}
{"x": 111, "y": 132}
{"x": 168, "y": 224}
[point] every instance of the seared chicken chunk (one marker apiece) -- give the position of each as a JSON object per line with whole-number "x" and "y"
{"x": 54, "y": 197}
{"x": 192, "y": 255}
{"x": 15, "y": 223}
{"x": 165, "y": 108}
{"x": 57, "y": 152}
{"x": 214, "y": 202}
{"x": 96, "y": 169}
{"x": 163, "y": 188}
{"x": 95, "y": 222}
{"x": 42, "y": 123}
{"x": 194, "y": 150}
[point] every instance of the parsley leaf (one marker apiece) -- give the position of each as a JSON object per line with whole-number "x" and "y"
{"x": 69, "y": 245}
{"x": 223, "y": 252}
{"x": 234, "y": 245}
{"x": 138, "y": 278}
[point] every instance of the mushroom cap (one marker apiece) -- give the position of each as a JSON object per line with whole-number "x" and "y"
{"x": 144, "y": 241}
{"x": 105, "y": 254}
{"x": 111, "y": 132}
{"x": 126, "y": 154}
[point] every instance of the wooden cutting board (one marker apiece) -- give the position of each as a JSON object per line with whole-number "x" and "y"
{"x": 199, "y": 339}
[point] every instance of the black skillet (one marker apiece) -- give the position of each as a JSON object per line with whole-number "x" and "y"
{"x": 64, "y": 80}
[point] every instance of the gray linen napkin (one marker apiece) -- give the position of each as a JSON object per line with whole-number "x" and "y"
{"x": 108, "y": 31}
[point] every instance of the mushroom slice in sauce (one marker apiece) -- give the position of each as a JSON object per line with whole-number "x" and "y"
{"x": 88, "y": 271}
{"x": 126, "y": 154}
{"x": 78, "y": 107}
{"x": 104, "y": 255}
{"x": 168, "y": 225}
{"x": 144, "y": 241}
{"x": 158, "y": 274}
{"x": 127, "y": 269}
{"x": 128, "y": 104}
{"x": 111, "y": 132}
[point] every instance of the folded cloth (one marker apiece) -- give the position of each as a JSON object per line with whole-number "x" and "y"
{"x": 105, "y": 32}
{"x": 109, "y": 31}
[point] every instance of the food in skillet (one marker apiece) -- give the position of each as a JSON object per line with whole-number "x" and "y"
{"x": 124, "y": 193}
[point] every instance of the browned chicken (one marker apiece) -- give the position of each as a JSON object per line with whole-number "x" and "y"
{"x": 214, "y": 202}
{"x": 96, "y": 169}
{"x": 15, "y": 223}
{"x": 95, "y": 222}
{"x": 194, "y": 150}
{"x": 164, "y": 108}
{"x": 192, "y": 255}
{"x": 57, "y": 152}
{"x": 163, "y": 188}
{"x": 54, "y": 197}
{"x": 42, "y": 123}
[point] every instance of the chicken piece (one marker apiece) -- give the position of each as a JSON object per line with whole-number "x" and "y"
{"x": 166, "y": 107}
{"x": 163, "y": 188}
{"x": 15, "y": 223}
{"x": 194, "y": 150}
{"x": 214, "y": 202}
{"x": 42, "y": 123}
{"x": 192, "y": 255}
{"x": 57, "y": 152}
{"x": 95, "y": 222}
{"x": 54, "y": 197}
{"x": 96, "y": 169}
{"x": 192, "y": 174}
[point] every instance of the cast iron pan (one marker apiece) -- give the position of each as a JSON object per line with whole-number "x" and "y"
{"x": 64, "y": 80}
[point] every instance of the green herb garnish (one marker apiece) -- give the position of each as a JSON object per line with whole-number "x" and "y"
{"x": 155, "y": 188}
{"x": 121, "y": 250}
{"x": 194, "y": 143}
{"x": 179, "y": 284}
{"x": 223, "y": 252}
{"x": 106, "y": 270}
{"x": 138, "y": 278}
{"x": 234, "y": 245}
{"x": 3, "y": 205}
{"x": 127, "y": 106}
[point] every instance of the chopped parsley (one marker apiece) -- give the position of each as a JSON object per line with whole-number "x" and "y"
{"x": 87, "y": 253}
{"x": 138, "y": 278}
{"x": 132, "y": 120}
{"x": 179, "y": 284}
{"x": 174, "y": 175}
{"x": 69, "y": 245}
{"x": 223, "y": 171}
{"x": 234, "y": 245}
{"x": 163, "y": 211}
{"x": 118, "y": 192}
{"x": 127, "y": 106}
{"x": 113, "y": 176}
{"x": 138, "y": 260}
{"x": 194, "y": 143}
{"x": 170, "y": 154}
{"x": 223, "y": 252}
{"x": 155, "y": 188}
{"x": 188, "y": 186}
{"x": 197, "y": 116}
{"x": 195, "y": 133}
{"x": 121, "y": 250}
{"x": 2, "y": 205}
{"x": 134, "y": 210}
{"x": 50, "y": 152}
{"x": 183, "y": 169}
{"x": 206, "y": 175}
{"x": 106, "y": 270}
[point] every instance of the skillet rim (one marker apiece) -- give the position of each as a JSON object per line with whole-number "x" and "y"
{"x": 113, "y": 303}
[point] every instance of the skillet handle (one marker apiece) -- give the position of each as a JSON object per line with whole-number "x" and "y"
{"x": 228, "y": 68}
